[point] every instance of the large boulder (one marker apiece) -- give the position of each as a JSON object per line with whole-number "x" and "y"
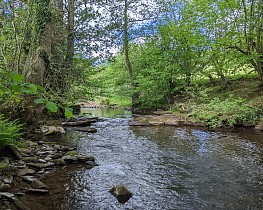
{"x": 121, "y": 193}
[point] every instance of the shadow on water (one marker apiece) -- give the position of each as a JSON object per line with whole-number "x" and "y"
{"x": 164, "y": 167}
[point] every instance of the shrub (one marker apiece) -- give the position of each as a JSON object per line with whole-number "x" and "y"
{"x": 229, "y": 112}
{"x": 9, "y": 132}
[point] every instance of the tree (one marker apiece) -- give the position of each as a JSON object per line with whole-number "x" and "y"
{"x": 243, "y": 29}
{"x": 114, "y": 25}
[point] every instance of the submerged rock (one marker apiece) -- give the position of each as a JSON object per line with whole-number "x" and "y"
{"x": 20, "y": 205}
{"x": 121, "y": 193}
{"x": 33, "y": 190}
{"x": 37, "y": 184}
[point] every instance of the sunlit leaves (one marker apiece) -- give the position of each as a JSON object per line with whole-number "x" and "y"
{"x": 16, "y": 77}
{"x": 68, "y": 112}
{"x": 52, "y": 107}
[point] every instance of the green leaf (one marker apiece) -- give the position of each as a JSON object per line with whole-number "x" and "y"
{"x": 68, "y": 112}
{"x": 40, "y": 101}
{"x": 30, "y": 89}
{"x": 52, "y": 107}
{"x": 40, "y": 88}
{"x": 16, "y": 88}
{"x": 17, "y": 77}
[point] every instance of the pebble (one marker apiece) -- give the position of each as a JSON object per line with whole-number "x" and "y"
{"x": 42, "y": 161}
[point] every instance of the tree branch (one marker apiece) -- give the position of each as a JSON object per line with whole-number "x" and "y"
{"x": 238, "y": 49}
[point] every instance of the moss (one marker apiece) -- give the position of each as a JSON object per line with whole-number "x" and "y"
{"x": 73, "y": 153}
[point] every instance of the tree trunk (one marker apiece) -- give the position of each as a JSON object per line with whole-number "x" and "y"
{"x": 127, "y": 58}
{"x": 70, "y": 35}
{"x": 126, "y": 43}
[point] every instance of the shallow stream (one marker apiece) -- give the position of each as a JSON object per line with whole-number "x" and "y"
{"x": 164, "y": 167}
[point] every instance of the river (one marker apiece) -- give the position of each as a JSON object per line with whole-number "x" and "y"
{"x": 165, "y": 167}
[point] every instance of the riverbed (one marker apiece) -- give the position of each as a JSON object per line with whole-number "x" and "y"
{"x": 165, "y": 167}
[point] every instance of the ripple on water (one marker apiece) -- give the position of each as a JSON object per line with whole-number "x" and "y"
{"x": 167, "y": 168}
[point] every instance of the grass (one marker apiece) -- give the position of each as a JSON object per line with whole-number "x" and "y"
{"x": 239, "y": 100}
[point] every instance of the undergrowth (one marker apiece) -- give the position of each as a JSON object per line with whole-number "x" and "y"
{"x": 227, "y": 112}
{"x": 9, "y": 132}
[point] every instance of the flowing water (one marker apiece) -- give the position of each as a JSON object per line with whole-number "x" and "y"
{"x": 164, "y": 167}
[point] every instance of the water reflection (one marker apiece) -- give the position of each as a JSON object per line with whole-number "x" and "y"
{"x": 167, "y": 168}
{"x": 105, "y": 112}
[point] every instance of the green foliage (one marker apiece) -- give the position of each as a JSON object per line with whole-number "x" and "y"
{"x": 43, "y": 14}
{"x": 68, "y": 112}
{"x": 226, "y": 112}
{"x": 13, "y": 88}
{"x": 9, "y": 131}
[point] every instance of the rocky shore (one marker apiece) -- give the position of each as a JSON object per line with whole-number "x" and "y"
{"x": 159, "y": 118}
{"x": 28, "y": 164}
{"x": 23, "y": 169}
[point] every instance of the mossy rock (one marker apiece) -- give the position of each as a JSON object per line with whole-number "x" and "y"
{"x": 72, "y": 153}
{"x": 121, "y": 193}
{"x": 4, "y": 163}
{"x": 59, "y": 162}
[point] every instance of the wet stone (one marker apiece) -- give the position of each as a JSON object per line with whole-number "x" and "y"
{"x": 20, "y": 166}
{"x": 42, "y": 161}
{"x": 6, "y": 203}
{"x": 7, "y": 195}
{"x": 10, "y": 170}
{"x": 48, "y": 158}
{"x": 29, "y": 179}
{"x": 55, "y": 156}
{"x": 37, "y": 184}
{"x": 30, "y": 143}
{"x": 56, "y": 147}
{"x": 91, "y": 163}
{"x": 72, "y": 153}
{"x": 259, "y": 127}
{"x": 121, "y": 193}
{"x": 29, "y": 159}
{"x": 83, "y": 158}
{"x": 69, "y": 158}
{"x": 25, "y": 151}
{"x": 20, "y": 205}
{"x": 60, "y": 162}
{"x": 43, "y": 152}
{"x": 20, "y": 194}
{"x": 41, "y": 171}
{"x": 4, "y": 163}
{"x": 41, "y": 191}
{"x": 4, "y": 187}
{"x": 41, "y": 165}
{"x": 25, "y": 171}
{"x": 8, "y": 180}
